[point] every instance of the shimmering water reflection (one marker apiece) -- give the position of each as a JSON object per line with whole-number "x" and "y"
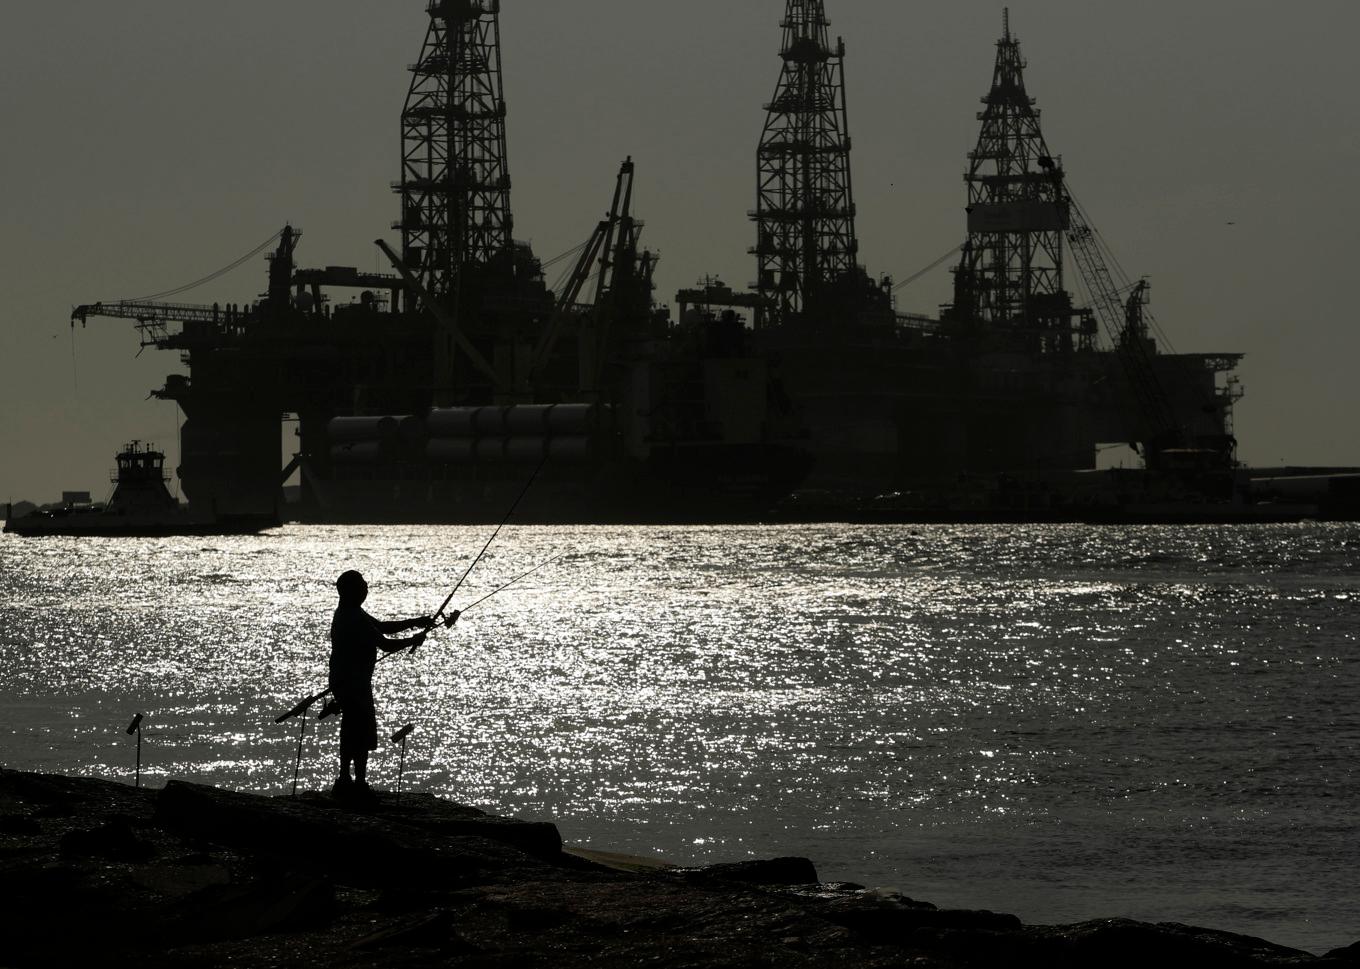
{"x": 1062, "y": 722}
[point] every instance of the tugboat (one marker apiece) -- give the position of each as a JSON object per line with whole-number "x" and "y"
{"x": 141, "y": 506}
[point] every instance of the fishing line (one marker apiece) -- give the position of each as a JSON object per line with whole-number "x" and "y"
{"x": 495, "y": 592}
{"x": 302, "y": 708}
{"x": 525, "y": 575}
{"x": 527, "y": 485}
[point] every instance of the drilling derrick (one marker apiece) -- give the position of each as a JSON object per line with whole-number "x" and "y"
{"x": 455, "y": 186}
{"x": 805, "y": 216}
{"x": 1011, "y": 273}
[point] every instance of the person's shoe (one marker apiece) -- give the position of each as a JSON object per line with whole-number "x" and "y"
{"x": 343, "y": 787}
{"x": 363, "y": 796}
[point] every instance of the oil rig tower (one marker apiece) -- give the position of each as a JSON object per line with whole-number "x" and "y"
{"x": 1011, "y": 273}
{"x": 455, "y": 184}
{"x": 805, "y": 215}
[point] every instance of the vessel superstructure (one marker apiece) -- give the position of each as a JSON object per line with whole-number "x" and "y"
{"x": 141, "y": 506}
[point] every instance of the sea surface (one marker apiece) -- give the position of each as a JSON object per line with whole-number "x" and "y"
{"x": 1063, "y": 722}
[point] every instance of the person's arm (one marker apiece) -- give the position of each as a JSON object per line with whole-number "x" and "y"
{"x": 397, "y": 645}
{"x": 401, "y": 625}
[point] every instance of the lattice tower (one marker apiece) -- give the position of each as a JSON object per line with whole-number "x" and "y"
{"x": 1012, "y": 267}
{"x": 455, "y": 185}
{"x": 805, "y": 215}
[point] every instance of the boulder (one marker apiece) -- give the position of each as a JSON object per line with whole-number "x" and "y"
{"x": 772, "y": 871}
{"x": 360, "y": 849}
{"x": 896, "y": 920}
{"x": 1349, "y": 955}
{"x": 262, "y": 907}
{"x": 114, "y": 840}
{"x": 1125, "y": 944}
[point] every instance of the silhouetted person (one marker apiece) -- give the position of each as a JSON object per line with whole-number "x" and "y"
{"x": 356, "y": 638}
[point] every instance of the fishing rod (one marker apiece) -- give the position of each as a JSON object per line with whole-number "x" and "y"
{"x": 306, "y": 704}
{"x": 303, "y": 707}
{"x": 468, "y": 571}
{"x": 458, "y": 613}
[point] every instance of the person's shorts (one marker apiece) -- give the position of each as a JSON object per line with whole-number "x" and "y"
{"x": 358, "y": 724}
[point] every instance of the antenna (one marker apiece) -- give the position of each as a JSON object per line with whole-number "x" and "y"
{"x": 1006, "y": 22}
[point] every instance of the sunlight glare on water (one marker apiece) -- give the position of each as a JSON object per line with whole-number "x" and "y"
{"x": 1060, "y": 721}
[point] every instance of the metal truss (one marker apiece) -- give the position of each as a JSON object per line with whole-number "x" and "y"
{"x": 805, "y": 215}
{"x": 455, "y": 185}
{"x": 1012, "y": 267}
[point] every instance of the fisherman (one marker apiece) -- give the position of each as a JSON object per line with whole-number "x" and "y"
{"x": 356, "y": 638}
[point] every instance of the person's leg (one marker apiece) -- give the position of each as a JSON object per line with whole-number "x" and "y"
{"x": 365, "y": 737}
{"x": 347, "y": 745}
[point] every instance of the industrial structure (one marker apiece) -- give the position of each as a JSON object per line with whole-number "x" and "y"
{"x": 806, "y": 248}
{"x": 457, "y": 375}
{"x": 997, "y": 405}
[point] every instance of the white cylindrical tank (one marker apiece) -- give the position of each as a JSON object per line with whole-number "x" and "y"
{"x": 527, "y": 449}
{"x": 527, "y": 420}
{"x": 570, "y": 418}
{"x": 412, "y": 432}
{"x": 569, "y": 449}
{"x": 490, "y": 449}
{"x": 345, "y": 429}
{"x": 490, "y": 422}
{"x": 451, "y": 422}
{"x": 451, "y": 450}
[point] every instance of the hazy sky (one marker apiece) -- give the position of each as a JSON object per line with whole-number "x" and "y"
{"x": 149, "y": 142}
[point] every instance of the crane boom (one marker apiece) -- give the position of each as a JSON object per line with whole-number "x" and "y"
{"x": 153, "y": 319}
{"x": 1161, "y": 428}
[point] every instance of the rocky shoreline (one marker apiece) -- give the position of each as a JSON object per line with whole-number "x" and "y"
{"x": 197, "y": 876}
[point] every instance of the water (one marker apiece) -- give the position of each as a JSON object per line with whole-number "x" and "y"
{"x": 1063, "y": 722}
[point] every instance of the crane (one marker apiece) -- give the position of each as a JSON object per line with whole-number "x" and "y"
{"x": 1124, "y": 324}
{"x": 154, "y": 317}
{"x": 613, "y": 252}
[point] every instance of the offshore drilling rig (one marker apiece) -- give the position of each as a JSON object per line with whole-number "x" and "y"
{"x": 459, "y": 375}
{"x": 996, "y": 405}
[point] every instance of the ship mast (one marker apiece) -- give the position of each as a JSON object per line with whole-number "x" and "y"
{"x": 1012, "y": 268}
{"x": 805, "y": 214}
{"x": 455, "y": 183}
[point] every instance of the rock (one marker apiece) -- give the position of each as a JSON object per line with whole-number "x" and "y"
{"x": 242, "y": 911}
{"x": 773, "y": 871}
{"x": 244, "y": 880}
{"x": 902, "y": 921}
{"x": 19, "y": 824}
{"x": 434, "y": 931}
{"x": 1348, "y": 955}
{"x": 444, "y": 818}
{"x": 179, "y": 879}
{"x": 1121, "y": 943}
{"x": 42, "y": 902}
{"x": 362, "y": 849}
{"x": 114, "y": 841}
